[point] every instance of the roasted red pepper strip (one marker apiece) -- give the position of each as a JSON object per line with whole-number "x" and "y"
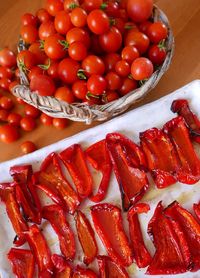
{"x": 98, "y": 156}
{"x": 196, "y": 208}
{"x": 84, "y": 273}
{"x": 52, "y": 193}
{"x": 172, "y": 255}
{"x": 181, "y": 106}
{"x": 191, "y": 229}
{"x": 108, "y": 224}
{"x": 41, "y": 251}
{"x": 75, "y": 161}
{"x": 86, "y": 237}
{"x": 161, "y": 156}
{"x": 63, "y": 269}
{"x": 110, "y": 269}
{"x": 52, "y": 177}
{"x": 141, "y": 254}
{"x": 22, "y": 175}
{"x": 128, "y": 160}
{"x": 189, "y": 171}
{"x": 7, "y": 195}
{"x": 23, "y": 263}
{"x": 56, "y": 216}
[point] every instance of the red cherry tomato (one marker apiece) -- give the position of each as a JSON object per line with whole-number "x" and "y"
{"x": 141, "y": 68}
{"x": 77, "y": 51}
{"x": 110, "y": 61}
{"x": 157, "y": 32}
{"x": 138, "y": 39}
{"x": 78, "y": 34}
{"x": 123, "y": 68}
{"x": 111, "y": 41}
{"x": 28, "y": 123}
{"x": 29, "y": 19}
{"x": 93, "y": 65}
{"x": 119, "y": 24}
{"x": 43, "y": 15}
{"x": 60, "y": 123}
{"x": 96, "y": 84}
{"x": 53, "y": 70}
{"x": 65, "y": 94}
{"x": 43, "y": 85}
{"x": 79, "y": 17}
{"x": 6, "y": 103}
{"x": 157, "y": 54}
{"x": 9, "y": 133}
{"x": 67, "y": 70}
{"x": 113, "y": 81}
{"x": 70, "y": 4}
{"x": 139, "y": 10}
{"x": 79, "y": 89}
{"x": 27, "y": 58}
{"x": 111, "y": 8}
{"x": 143, "y": 27}
{"x": 35, "y": 71}
{"x": 28, "y": 147}
{"x": 38, "y": 52}
{"x": 14, "y": 119}
{"x": 5, "y": 83}
{"x": 53, "y": 47}
{"x": 29, "y": 33}
{"x": 46, "y": 120}
{"x": 6, "y": 72}
{"x": 90, "y": 5}
{"x": 46, "y": 30}
{"x": 62, "y": 22}
{"x": 7, "y": 58}
{"x": 110, "y": 96}
{"x": 4, "y": 115}
{"x": 31, "y": 111}
{"x": 128, "y": 85}
{"x": 54, "y": 6}
{"x": 98, "y": 22}
{"x": 130, "y": 53}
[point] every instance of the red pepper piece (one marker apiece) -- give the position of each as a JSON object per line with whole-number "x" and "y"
{"x": 56, "y": 216}
{"x": 51, "y": 176}
{"x": 172, "y": 255}
{"x": 7, "y": 195}
{"x": 191, "y": 229}
{"x": 86, "y": 237}
{"x": 51, "y": 193}
{"x": 128, "y": 160}
{"x": 84, "y": 273}
{"x": 110, "y": 269}
{"x": 196, "y": 208}
{"x": 141, "y": 254}
{"x": 45, "y": 274}
{"x": 63, "y": 269}
{"x": 23, "y": 263}
{"x": 108, "y": 224}
{"x": 27, "y": 196}
{"x": 75, "y": 161}
{"x": 189, "y": 171}
{"x": 98, "y": 156}
{"x": 181, "y": 106}
{"x": 40, "y": 249}
{"x": 161, "y": 156}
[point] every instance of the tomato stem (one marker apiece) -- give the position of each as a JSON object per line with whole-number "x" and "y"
{"x": 64, "y": 43}
{"x": 41, "y": 44}
{"x": 89, "y": 95}
{"x": 45, "y": 67}
{"x": 73, "y": 6}
{"x": 81, "y": 74}
{"x": 103, "y": 6}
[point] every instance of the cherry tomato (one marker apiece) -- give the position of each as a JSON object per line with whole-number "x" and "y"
{"x": 27, "y": 59}
{"x": 78, "y": 34}
{"x": 110, "y": 61}
{"x": 96, "y": 84}
{"x": 70, "y": 4}
{"x": 111, "y": 41}
{"x": 123, "y": 4}
{"x": 43, "y": 15}
{"x": 65, "y": 94}
{"x": 157, "y": 32}
{"x": 12, "y": 85}
{"x": 143, "y": 27}
{"x": 46, "y": 120}
{"x": 6, "y": 72}
{"x": 28, "y": 147}
{"x": 14, "y": 119}
{"x": 39, "y": 54}
{"x": 29, "y": 34}
{"x": 128, "y": 85}
{"x": 113, "y": 81}
{"x": 77, "y": 51}
{"x": 4, "y": 115}
{"x": 29, "y": 19}
{"x": 35, "y": 71}
{"x": 141, "y": 68}
{"x": 5, "y": 83}
{"x": 110, "y": 96}
{"x": 139, "y": 10}
{"x": 130, "y": 53}
{"x": 46, "y": 29}
{"x": 138, "y": 39}
{"x": 98, "y": 22}
{"x": 129, "y": 25}
{"x": 79, "y": 89}
{"x": 122, "y": 68}
{"x": 90, "y": 100}
{"x": 93, "y": 65}
{"x": 54, "y": 6}
{"x": 31, "y": 111}
{"x": 67, "y": 70}
{"x": 79, "y": 17}
{"x": 7, "y": 58}
{"x": 53, "y": 70}
{"x": 43, "y": 85}
{"x": 157, "y": 54}
{"x": 53, "y": 47}
{"x": 62, "y": 22}
{"x": 119, "y": 24}
{"x": 9, "y": 133}
{"x": 111, "y": 8}
{"x": 6, "y": 103}
{"x": 28, "y": 123}
{"x": 90, "y": 5}
{"x": 60, "y": 123}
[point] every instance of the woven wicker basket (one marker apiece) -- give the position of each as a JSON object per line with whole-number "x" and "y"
{"x": 82, "y": 112}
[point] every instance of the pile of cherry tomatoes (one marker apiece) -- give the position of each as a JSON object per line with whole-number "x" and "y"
{"x": 90, "y": 51}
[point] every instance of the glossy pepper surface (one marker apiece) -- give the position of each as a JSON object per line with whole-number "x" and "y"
{"x": 63, "y": 269}
{"x": 84, "y": 273}
{"x": 196, "y": 208}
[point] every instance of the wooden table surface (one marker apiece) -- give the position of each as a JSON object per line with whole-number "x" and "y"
{"x": 184, "y": 16}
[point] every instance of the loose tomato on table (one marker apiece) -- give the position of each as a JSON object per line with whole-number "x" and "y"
{"x": 46, "y": 120}
{"x": 9, "y": 133}
{"x": 31, "y": 111}
{"x": 4, "y": 115}
{"x": 60, "y": 123}
{"x": 14, "y": 119}
{"x": 28, "y": 123}
{"x": 7, "y": 58}
{"x": 6, "y": 72}
{"x": 5, "y": 83}
{"x": 28, "y": 147}
{"x": 6, "y": 103}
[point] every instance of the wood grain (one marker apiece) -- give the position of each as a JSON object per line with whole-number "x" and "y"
{"x": 184, "y": 16}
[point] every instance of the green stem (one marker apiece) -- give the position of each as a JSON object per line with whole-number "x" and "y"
{"x": 45, "y": 67}
{"x": 81, "y": 74}
{"x": 89, "y": 95}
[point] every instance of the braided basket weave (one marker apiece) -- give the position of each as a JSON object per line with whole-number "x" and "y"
{"x": 82, "y": 112}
